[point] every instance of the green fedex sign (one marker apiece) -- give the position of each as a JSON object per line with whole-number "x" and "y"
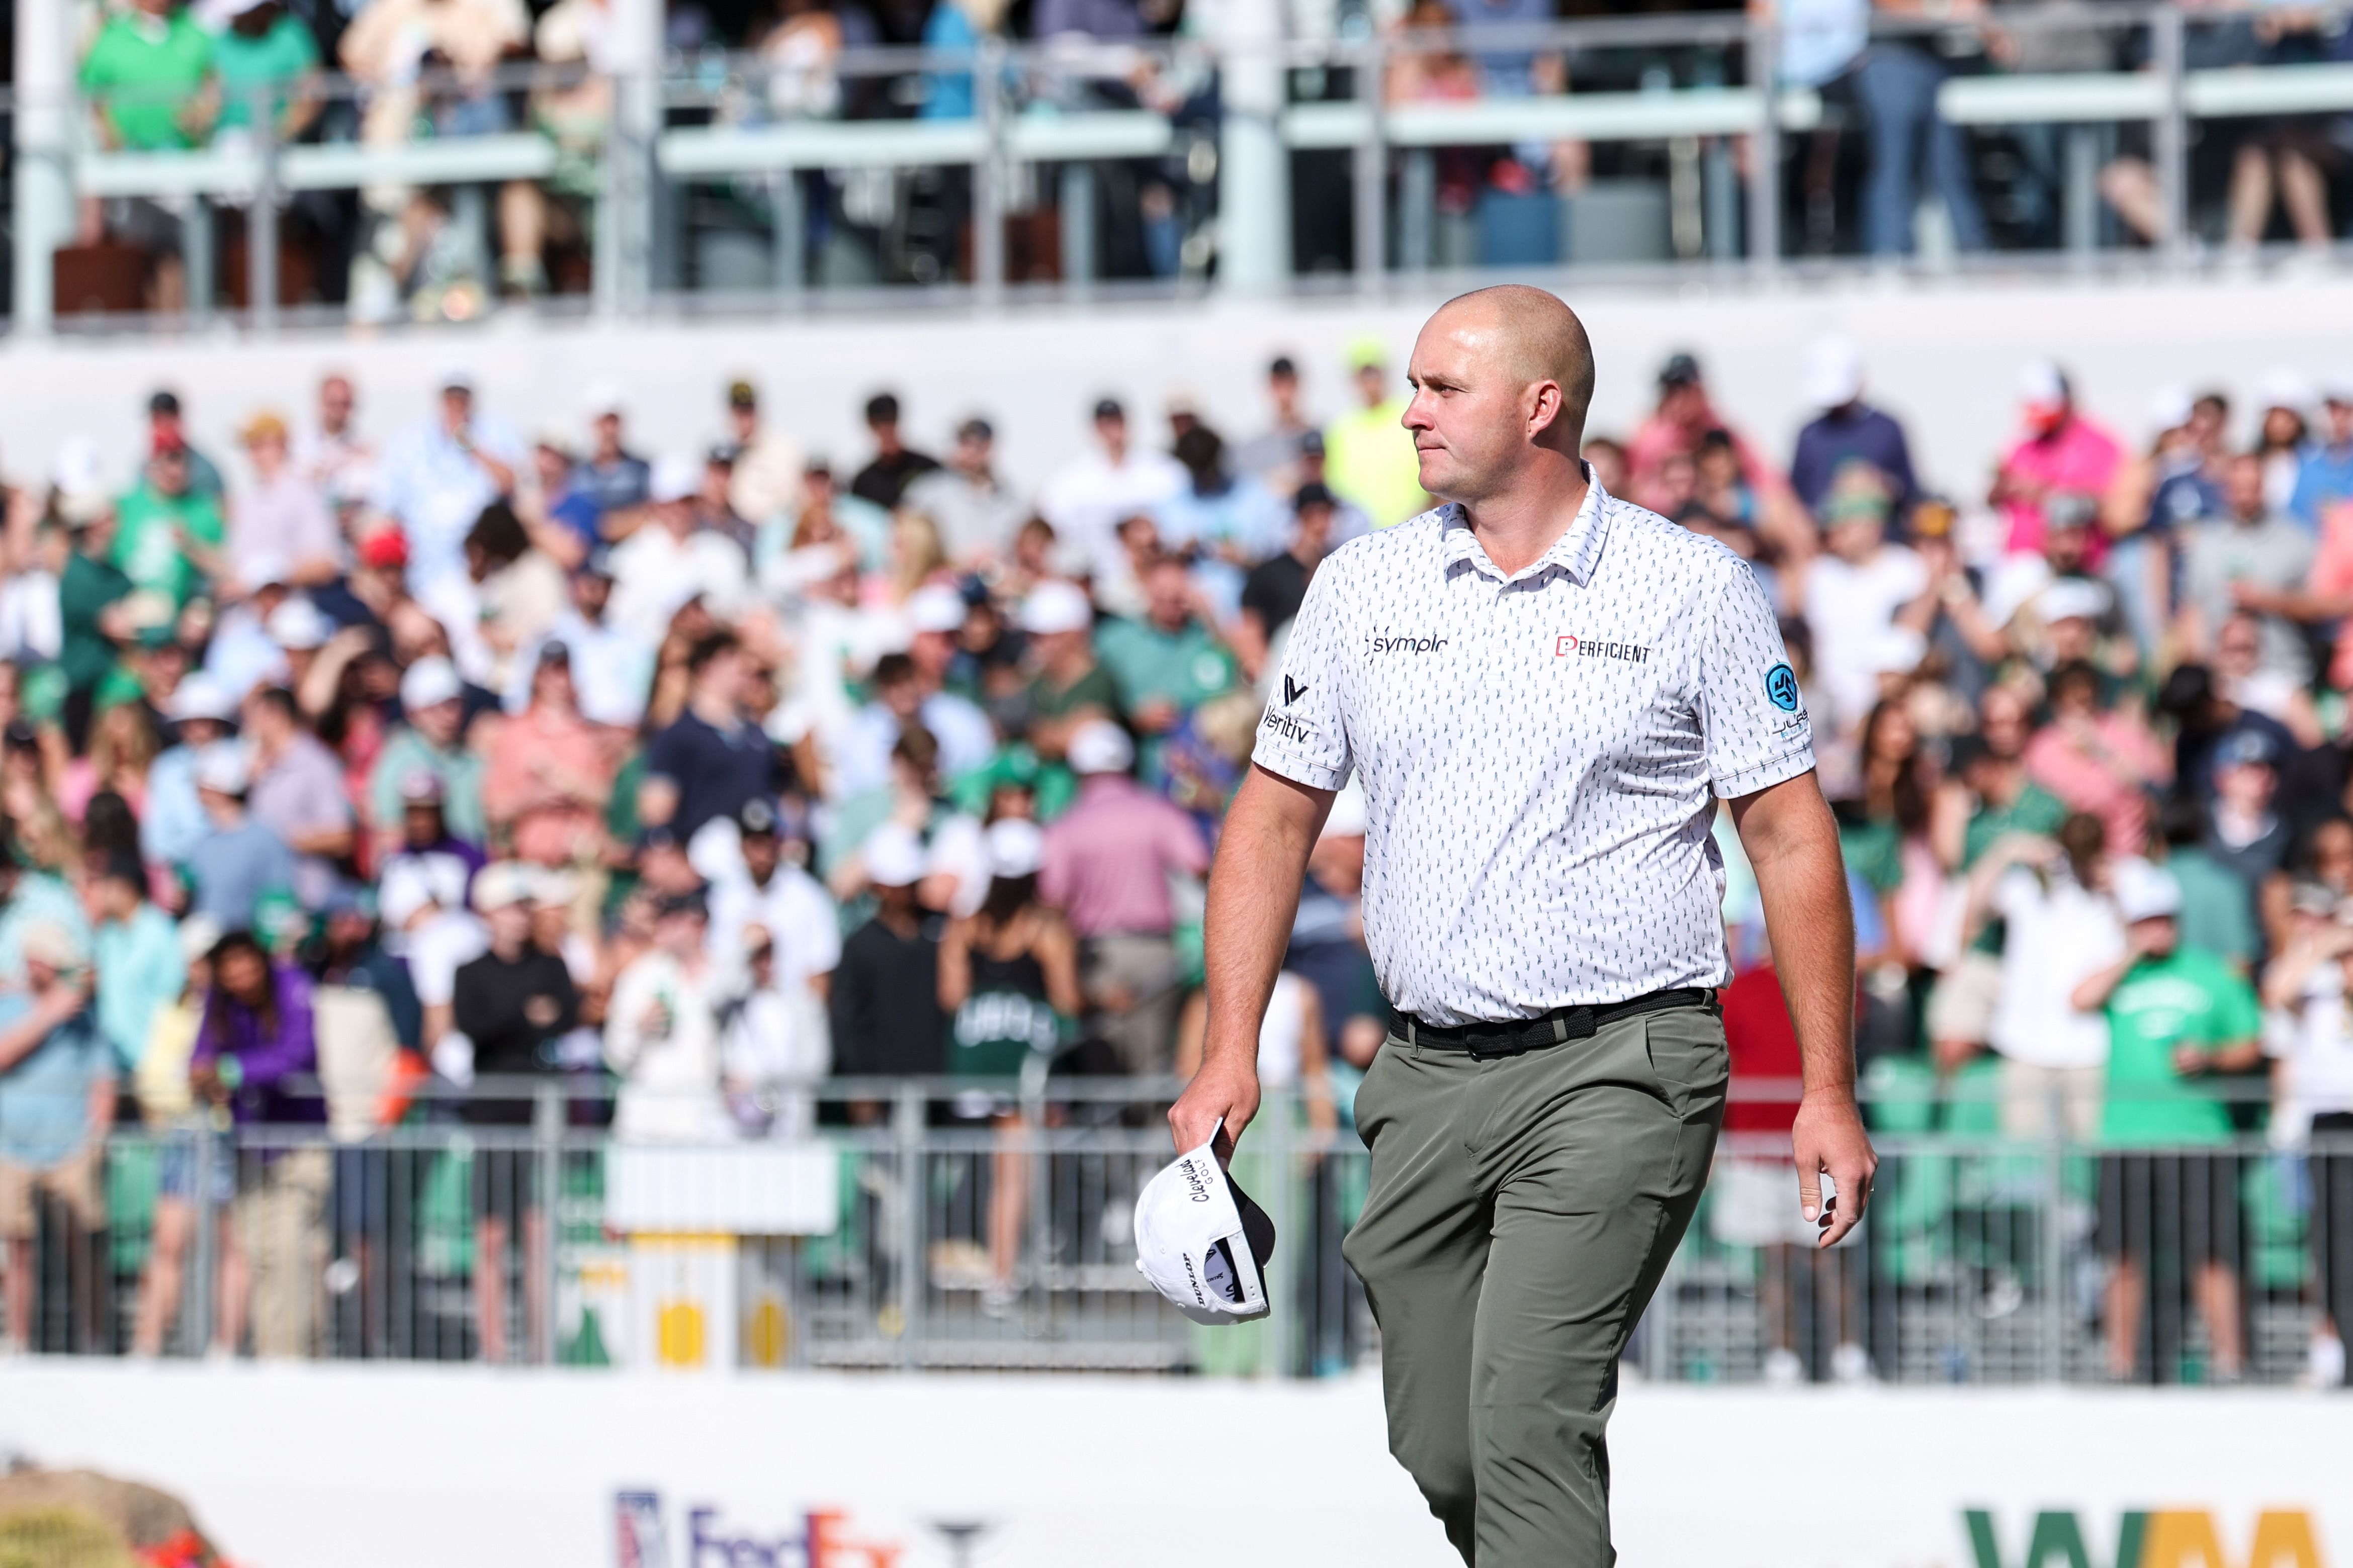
{"x": 2159, "y": 1538}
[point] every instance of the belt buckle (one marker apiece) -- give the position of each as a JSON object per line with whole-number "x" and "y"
{"x": 1504, "y": 1046}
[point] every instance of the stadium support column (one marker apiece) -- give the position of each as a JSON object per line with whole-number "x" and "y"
{"x": 624, "y": 253}
{"x": 43, "y": 213}
{"x": 1253, "y": 169}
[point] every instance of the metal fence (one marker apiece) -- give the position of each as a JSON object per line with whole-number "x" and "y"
{"x": 731, "y": 181}
{"x": 940, "y": 1224}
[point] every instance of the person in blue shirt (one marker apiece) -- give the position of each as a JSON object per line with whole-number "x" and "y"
{"x": 2324, "y": 474}
{"x": 57, "y": 1101}
{"x": 136, "y": 946}
{"x": 611, "y": 477}
{"x": 1848, "y": 427}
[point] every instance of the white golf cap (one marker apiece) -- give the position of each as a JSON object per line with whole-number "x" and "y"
{"x": 2040, "y": 382}
{"x": 1056, "y": 606}
{"x": 2170, "y": 408}
{"x": 1016, "y": 848}
{"x": 1833, "y": 374}
{"x": 1101, "y": 747}
{"x": 1201, "y": 1241}
{"x": 938, "y": 608}
{"x": 2337, "y": 385}
{"x": 221, "y": 768}
{"x": 894, "y": 856}
{"x": 429, "y": 682}
{"x": 262, "y": 569}
{"x": 298, "y": 624}
{"x": 2072, "y": 598}
{"x": 502, "y": 883}
{"x": 198, "y": 935}
{"x": 677, "y": 478}
{"x": 603, "y": 397}
{"x": 456, "y": 375}
{"x": 2142, "y": 892}
{"x": 199, "y": 695}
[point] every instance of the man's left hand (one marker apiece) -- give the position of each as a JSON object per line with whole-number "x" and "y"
{"x": 1827, "y": 1137}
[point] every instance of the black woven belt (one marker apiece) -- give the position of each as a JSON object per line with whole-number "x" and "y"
{"x": 1558, "y": 1027}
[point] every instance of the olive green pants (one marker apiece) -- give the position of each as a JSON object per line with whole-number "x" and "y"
{"x": 1520, "y": 1213}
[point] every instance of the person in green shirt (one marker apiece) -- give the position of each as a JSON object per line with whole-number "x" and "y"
{"x": 2168, "y": 1182}
{"x": 1168, "y": 663}
{"x": 90, "y": 590}
{"x": 170, "y": 536}
{"x": 1368, "y": 456}
{"x": 150, "y": 73}
{"x": 264, "y": 46}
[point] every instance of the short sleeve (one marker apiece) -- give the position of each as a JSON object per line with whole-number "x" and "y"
{"x": 1752, "y": 714}
{"x": 1303, "y": 734}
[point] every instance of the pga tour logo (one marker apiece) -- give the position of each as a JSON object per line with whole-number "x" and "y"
{"x": 824, "y": 1539}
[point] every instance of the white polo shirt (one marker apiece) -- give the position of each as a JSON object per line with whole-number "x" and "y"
{"x": 1538, "y": 752}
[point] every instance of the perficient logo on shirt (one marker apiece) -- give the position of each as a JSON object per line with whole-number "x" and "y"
{"x": 1569, "y": 643}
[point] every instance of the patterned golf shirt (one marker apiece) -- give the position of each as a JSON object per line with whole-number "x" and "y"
{"x": 1538, "y": 752}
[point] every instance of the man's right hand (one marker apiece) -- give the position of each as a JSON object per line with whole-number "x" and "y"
{"x": 1218, "y": 1091}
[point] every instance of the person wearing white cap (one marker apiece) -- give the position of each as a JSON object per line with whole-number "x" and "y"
{"x": 1109, "y": 860}
{"x": 2324, "y": 473}
{"x": 2174, "y": 1016}
{"x": 201, "y": 714}
{"x": 1545, "y": 690}
{"x": 674, "y": 557}
{"x": 238, "y": 859}
{"x": 2061, "y": 451}
{"x": 887, "y": 1017}
{"x": 512, "y": 1003}
{"x": 1847, "y": 428}
{"x": 1071, "y": 687}
{"x": 437, "y": 477}
{"x": 2249, "y": 559}
{"x": 433, "y": 742}
{"x": 55, "y": 1072}
{"x": 1008, "y": 978}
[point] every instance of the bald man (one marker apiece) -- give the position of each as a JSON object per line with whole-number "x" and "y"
{"x": 1543, "y": 691}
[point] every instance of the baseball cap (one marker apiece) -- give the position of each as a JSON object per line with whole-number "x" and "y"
{"x": 742, "y": 393}
{"x": 2041, "y": 384}
{"x": 975, "y": 429}
{"x": 266, "y": 426}
{"x": 894, "y": 856}
{"x": 2337, "y": 385}
{"x": 1315, "y": 492}
{"x": 1833, "y": 374}
{"x": 1368, "y": 352}
{"x": 1109, "y": 408}
{"x": 686, "y": 903}
{"x": 456, "y": 376}
{"x": 603, "y": 397}
{"x": 1681, "y": 370}
{"x": 1201, "y": 1241}
{"x": 2283, "y": 388}
{"x": 597, "y": 563}
{"x": 421, "y": 787}
{"x": 166, "y": 402}
{"x": 264, "y": 568}
{"x": 385, "y": 550}
{"x": 504, "y": 883}
{"x": 221, "y": 768}
{"x": 299, "y": 624}
{"x": 1016, "y": 848}
{"x": 199, "y": 695}
{"x": 2142, "y": 892}
{"x": 677, "y": 478}
{"x": 1101, "y": 747}
{"x": 2248, "y": 748}
{"x": 757, "y": 817}
{"x": 429, "y": 682}
{"x": 938, "y": 608}
{"x": 1056, "y": 606}
{"x": 2072, "y": 598}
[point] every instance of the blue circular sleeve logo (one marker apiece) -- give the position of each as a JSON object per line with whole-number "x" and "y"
{"x": 1781, "y": 686}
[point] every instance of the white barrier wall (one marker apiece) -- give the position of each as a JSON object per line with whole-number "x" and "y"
{"x": 1943, "y": 355}
{"x": 354, "y": 1467}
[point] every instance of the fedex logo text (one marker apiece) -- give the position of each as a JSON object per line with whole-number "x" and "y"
{"x": 2159, "y": 1538}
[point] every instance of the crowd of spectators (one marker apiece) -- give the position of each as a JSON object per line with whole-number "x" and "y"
{"x": 161, "y": 75}
{"x": 380, "y": 754}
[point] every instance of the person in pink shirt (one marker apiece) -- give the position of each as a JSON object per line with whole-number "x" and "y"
{"x": 1107, "y": 864}
{"x": 1685, "y": 417}
{"x": 2061, "y": 452}
{"x": 551, "y": 772}
{"x": 2101, "y": 762}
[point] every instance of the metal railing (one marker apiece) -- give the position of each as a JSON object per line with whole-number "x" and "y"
{"x": 931, "y": 1224}
{"x": 1005, "y": 171}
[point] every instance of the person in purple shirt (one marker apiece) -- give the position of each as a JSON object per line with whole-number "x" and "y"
{"x": 1847, "y": 427}
{"x": 255, "y": 1037}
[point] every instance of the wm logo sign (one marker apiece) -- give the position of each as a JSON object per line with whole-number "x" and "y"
{"x": 2163, "y": 1538}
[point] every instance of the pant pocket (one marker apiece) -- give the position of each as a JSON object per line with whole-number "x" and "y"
{"x": 1689, "y": 1059}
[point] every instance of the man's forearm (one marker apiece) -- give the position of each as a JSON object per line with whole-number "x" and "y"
{"x": 1801, "y": 877}
{"x": 1254, "y": 899}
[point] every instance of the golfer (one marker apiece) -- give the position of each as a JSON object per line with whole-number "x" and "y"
{"x": 1541, "y": 688}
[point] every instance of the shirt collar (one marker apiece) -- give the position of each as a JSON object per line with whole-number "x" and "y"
{"x": 1575, "y": 553}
